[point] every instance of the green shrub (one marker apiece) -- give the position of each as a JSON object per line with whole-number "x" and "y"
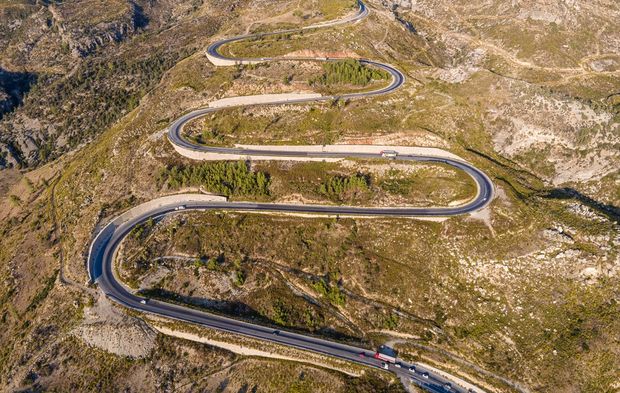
{"x": 279, "y": 313}
{"x": 15, "y": 200}
{"x": 212, "y": 264}
{"x": 331, "y": 292}
{"x": 239, "y": 278}
{"x": 391, "y": 322}
{"x": 344, "y": 187}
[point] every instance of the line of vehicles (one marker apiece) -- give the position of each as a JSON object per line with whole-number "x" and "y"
{"x": 389, "y": 356}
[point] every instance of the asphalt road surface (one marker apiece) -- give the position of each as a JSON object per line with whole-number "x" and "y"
{"x": 107, "y": 241}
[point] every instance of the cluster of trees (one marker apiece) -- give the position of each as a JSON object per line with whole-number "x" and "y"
{"x": 226, "y": 178}
{"x": 348, "y": 71}
{"x": 341, "y": 187}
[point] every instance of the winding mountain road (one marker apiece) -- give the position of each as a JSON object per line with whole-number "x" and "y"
{"x": 107, "y": 240}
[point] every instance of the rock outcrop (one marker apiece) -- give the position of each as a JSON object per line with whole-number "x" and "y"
{"x": 85, "y": 38}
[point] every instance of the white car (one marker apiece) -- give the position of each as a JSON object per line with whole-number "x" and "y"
{"x": 397, "y": 365}
{"x": 384, "y": 365}
{"x": 181, "y": 207}
{"x": 143, "y": 301}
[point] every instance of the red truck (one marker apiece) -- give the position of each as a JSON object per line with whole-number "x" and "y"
{"x": 386, "y": 354}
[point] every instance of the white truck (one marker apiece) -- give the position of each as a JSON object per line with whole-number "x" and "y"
{"x": 389, "y": 153}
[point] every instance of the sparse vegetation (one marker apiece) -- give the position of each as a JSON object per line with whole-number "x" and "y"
{"x": 331, "y": 9}
{"x": 42, "y": 294}
{"x": 108, "y": 99}
{"x": 139, "y": 231}
{"x": 391, "y": 321}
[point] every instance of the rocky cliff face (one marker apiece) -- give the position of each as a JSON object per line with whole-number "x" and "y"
{"x": 84, "y": 38}
{"x": 50, "y": 41}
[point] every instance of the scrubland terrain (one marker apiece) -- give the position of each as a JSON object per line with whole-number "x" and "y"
{"x": 522, "y": 296}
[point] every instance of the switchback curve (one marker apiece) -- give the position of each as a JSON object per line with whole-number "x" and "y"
{"x": 108, "y": 239}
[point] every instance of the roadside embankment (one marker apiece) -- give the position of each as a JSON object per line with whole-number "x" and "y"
{"x": 262, "y": 99}
{"x": 372, "y": 149}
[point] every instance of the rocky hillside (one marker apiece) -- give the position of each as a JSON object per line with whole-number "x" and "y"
{"x": 73, "y": 68}
{"x": 545, "y": 76}
{"x": 522, "y": 296}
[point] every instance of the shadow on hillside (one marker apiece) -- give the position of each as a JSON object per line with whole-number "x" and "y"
{"x": 13, "y": 87}
{"x": 610, "y": 211}
{"x": 140, "y": 19}
{"x": 242, "y": 311}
